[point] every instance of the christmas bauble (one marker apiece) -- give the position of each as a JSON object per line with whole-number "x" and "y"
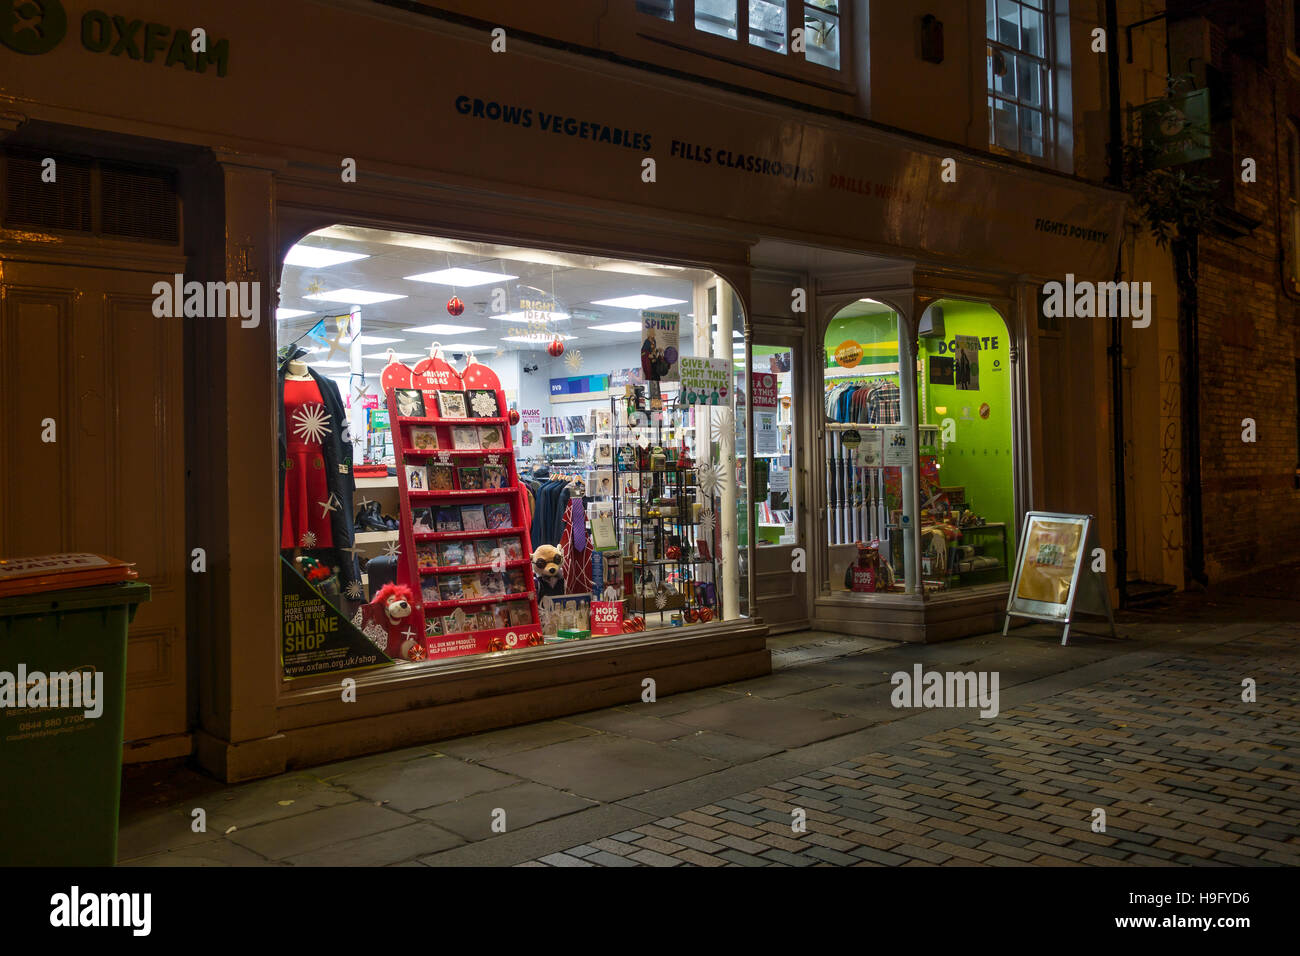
{"x": 556, "y": 348}
{"x": 455, "y": 306}
{"x": 514, "y": 416}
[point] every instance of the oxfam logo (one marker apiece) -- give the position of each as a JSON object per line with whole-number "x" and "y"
{"x": 32, "y": 26}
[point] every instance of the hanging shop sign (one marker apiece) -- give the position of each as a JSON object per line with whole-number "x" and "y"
{"x": 1176, "y": 130}
{"x": 705, "y": 381}
{"x": 659, "y": 332}
{"x": 848, "y": 354}
{"x": 1056, "y": 575}
{"x": 38, "y": 26}
{"x": 315, "y": 636}
{"x": 764, "y": 387}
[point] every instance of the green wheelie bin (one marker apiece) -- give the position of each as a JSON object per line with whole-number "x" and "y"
{"x": 61, "y": 767}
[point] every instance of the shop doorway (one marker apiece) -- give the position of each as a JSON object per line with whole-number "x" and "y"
{"x": 82, "y": 353}
{"x": 781, "y": 551}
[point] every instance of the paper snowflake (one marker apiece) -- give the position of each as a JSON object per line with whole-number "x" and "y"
{"x": 353, "y": 591}
{"x": 360, "y": 390}
{"x": 365, "y": 502}
{"x": 724, "y": 424}
{"x": 707, "y": 518}
{"x": 573, "y": 360}
{"x": 311, "y": 423}
{"x": 484, "y": 405}
{"x": 708, "y": 477}
{"x": 308, "y": 540}
{"x": 329, "y": 504}
{"x": 661, "y": 600}
{"x": 392, "y": 549}
{"x": 354, "y": 551}
{"x": 314, "y": 286}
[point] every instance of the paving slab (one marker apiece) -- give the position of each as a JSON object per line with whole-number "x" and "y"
{"x": 523, "y": 805}
{"x": 423, "y": 782}
{"x": 772, "y": 722}
{"x": 631, "y": 721}
{"x": 380, "y": 849}
{"x": 293, "y": 836}
{"x": 511, "y": 739}
{"x": 605, "y": 767}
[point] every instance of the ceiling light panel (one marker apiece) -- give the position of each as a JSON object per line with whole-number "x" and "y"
{"x": 316, "y": 257}
{"x": 461, "y": 277}
{"x": 354, "y": 296}
{"x": 641, "y": 301}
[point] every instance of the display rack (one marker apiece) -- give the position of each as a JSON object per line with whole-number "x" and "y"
{"x": 453, "y": 623}
{"x": 653, "y": 515}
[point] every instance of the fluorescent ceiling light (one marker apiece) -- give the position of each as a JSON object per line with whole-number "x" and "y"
{"x": 464, "y": 347}
{"x": 354, "y": 296}
{"x": 458, "y": 276}
{"x": 533, "y": 316}
{"x": 396, "y": 355}
{"x": 540, "y": 338}
{"x": 282, "y": 314}
{"x": 641, "y": 301}
{"x": 314, "y": 257}
{"x": 617, "y": 327}
{"x": 335, "y": 364}
{"x": 377, "y": 340}
{"x": 443, "y": 329}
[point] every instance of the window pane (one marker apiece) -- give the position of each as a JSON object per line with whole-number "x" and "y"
{"x": 1008, "y": 23}
{"x": 663, "y": 9}
{"x": 1029, "y": 81}
{"x": 1031, "y": 132}
{"x": 990, "y": 19}
{"x": 716, "y": 16}
{"x": 1004, "y": 125}
{"x": 1032, "y": 38}
{"x": 767, "y": 24}
{"x": 1002, "y": 66}
{"x": 822, "y": 38}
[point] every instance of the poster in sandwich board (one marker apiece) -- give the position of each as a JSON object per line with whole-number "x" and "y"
{"x": 1054, "y": 576}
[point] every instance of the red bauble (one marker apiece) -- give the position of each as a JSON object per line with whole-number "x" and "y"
{"x": 455, "y": 306}
{"x": 514, "y": 416}
{"x": 556, "y": 348}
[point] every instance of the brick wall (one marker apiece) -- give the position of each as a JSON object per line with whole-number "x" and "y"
{"x": 1248, "y": 332}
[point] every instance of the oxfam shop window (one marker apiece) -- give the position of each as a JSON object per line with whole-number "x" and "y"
{"x": 485, "y": 450}
{"x": 961, "y": 474}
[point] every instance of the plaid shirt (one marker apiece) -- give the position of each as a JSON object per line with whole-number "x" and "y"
{"x": 883, "y": 404}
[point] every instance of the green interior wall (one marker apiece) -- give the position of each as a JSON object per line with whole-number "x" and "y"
{"x": 980, "y": 458}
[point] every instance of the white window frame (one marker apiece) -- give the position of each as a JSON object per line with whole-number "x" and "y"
{"x": 1049, "y": 107}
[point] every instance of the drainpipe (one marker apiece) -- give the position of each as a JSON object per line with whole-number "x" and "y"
{"x": 1115, "y": 349}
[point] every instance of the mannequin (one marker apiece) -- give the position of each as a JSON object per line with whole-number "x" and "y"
{"x": 298, "y": 371}
{"x": 309, "y": 427}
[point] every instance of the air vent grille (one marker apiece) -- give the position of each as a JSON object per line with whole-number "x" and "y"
{"x": 138, "y": 203}
{"x": 32, "y": 203}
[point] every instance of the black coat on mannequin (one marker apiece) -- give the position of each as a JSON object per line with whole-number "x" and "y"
{"x": 337, "y": 452}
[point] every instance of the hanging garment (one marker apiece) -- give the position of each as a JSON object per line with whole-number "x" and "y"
{"x": 576, "y": 546}
{"x": 307, "y": 493}
{"x": 334, "y": 447}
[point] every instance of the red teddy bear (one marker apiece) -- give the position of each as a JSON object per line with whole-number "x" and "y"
{"x": 391, "y": 608}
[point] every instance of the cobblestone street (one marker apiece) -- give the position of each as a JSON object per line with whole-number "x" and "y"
{"x": 1150, "y": 728}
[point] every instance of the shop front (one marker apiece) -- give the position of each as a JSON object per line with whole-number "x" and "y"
{"x": 497, "y": 331}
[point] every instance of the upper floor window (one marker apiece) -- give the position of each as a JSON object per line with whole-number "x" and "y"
{"x": 800, "y": 30}
{"x": 1020, "y": 88}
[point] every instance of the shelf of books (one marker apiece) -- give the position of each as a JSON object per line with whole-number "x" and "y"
{"x": 464, "y": 544}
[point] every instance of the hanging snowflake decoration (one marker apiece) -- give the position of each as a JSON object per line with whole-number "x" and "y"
{"x": 707, "y": 520}
{"x": 308, "y": 540}
{"x": 708, "y": 477}
{"x": 392, "y": 549}
{"x": 484, "y": 405}
{"x": 724, "y": 424}
{"x": 574, "y": 360}
{"x": 329, "y": 504}
{"x": 353, "y": 591}
{"x": 661, "y": 599}
{"x": 315, "y": 286}
{"x": 311, "y": 423}
{"x": 354, "y": 551}
{"x": 360, "y": 390}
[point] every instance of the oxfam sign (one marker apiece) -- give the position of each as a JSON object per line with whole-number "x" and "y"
{"x": 37, "y": 26}
{"x": 32, "y": 26}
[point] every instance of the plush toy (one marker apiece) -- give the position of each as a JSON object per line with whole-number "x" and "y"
{"x": 547, "y": 566}
{"x": 391, "y": 608}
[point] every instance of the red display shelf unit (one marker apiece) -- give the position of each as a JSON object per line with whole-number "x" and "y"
{"x": 429, "y": 377}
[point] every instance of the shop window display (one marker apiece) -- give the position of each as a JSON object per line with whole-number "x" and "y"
{"x": 501, "y": 454}
{"x": 964, "y": 530}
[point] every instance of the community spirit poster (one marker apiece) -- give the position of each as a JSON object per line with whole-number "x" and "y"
{"x": 659, "y": 341}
